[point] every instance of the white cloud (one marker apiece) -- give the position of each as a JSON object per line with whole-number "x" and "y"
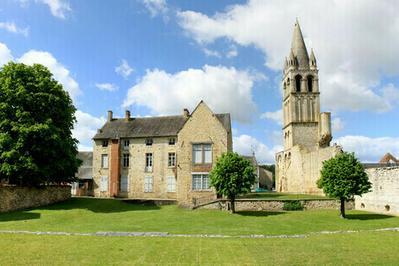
{"x": 276, "y": 116}
{"x": 124, "y": 69}
{"x": 337, "y": 124}
{"x": 232, "y": 52}
{"x": 13, "y": 28}
{"x": 85, "y": 128}
{"x": 245, "y": 145}
{"x": 369, "y": 149}
{"x": 106, "y": 86}
{"x": 355, "y": 42}
{"x": 209, "y": 52}
{"x": 58, "y": 8}
{"x": 223, "y": 89}
{"x": 60, "y": 72}
{"x": 5, "y": 54}
{"x": 156, "y": 7}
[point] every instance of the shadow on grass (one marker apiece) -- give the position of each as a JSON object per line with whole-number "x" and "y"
{"x": 100, "y": 205}
{"x": 258, "y": 213}
{"x": 367, "y": 216}
{"x": 18, "y": 216}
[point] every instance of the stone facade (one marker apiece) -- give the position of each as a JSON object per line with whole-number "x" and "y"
{"x": 200, "y": 127}
{"x": 385, "y": 190}
{"x": 275, "y": 205}
{"x": 15, "y": 198}
{"x": 307, "y": 132}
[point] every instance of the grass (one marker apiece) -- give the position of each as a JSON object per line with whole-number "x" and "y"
{"x": 93, "y": 215}
{"x": 366, "y": 248}
{"x": 281, "y": 196}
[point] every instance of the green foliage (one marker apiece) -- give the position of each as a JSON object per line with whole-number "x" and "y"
{"x": 343, "y": 177}
{"x": 232, "y": 175}
{"x": 36, "y": 119}
{"x": 292, "y": 205}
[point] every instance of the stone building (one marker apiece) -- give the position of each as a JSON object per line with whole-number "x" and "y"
{"x": 167, "y": 157}
{"x": 84, "y": 185}
{"x": 307, "y": 132}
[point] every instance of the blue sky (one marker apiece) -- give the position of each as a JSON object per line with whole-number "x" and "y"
{"x": 155, "y": 57}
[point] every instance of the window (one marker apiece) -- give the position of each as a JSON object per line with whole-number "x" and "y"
{"x": 105, "y": 143}
{"x": 171, "y": 159}
{"x": 124, "y": 184}
{"x": 148, "y": 142}
{"x": 126, "y": 159}
{"x": 172, "y": 141}
{"x": 148, "y": 162}
{"x": 104, "y": 160}
{"x": 171, "y": 184}
{"x": 104, "y": 183}
{"x": 200, "y": 182}
{"x": 298, "y": 83}
{"x": 148, "y": 184}
{"x": 126, "y": 144}
{"x": 202, "y": 153}
{"x": 310, "y": 83}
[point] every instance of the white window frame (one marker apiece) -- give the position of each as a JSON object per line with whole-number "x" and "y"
{"x": 202, "y": 185}
{"x": 148, "y": 184}
{"x": 172, "y": 141}
{"x": 149, "y": 161}
{"x": 104, "y": 163}
{"x": 127, "y": 183}
{"x": 171, "y": 185}
{"x": 149, "y": 141}
{"x": 126, "y": 164}
{"x": 104, "y": 184}
{"x": 126, "y": 144}
{"x": 171, "y": 159}
{"x": 200, "y": 147}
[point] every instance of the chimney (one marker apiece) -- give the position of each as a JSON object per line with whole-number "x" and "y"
{"x": 186, "y": 113}
{"x": 127, "y": 115}
{"x": 109, "y": 115}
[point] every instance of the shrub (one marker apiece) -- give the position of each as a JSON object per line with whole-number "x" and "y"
{"x": 293, "y": 205}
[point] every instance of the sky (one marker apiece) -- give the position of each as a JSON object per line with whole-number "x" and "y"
{"x": 156, "y": 57}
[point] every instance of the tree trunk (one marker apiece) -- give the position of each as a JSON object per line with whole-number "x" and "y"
{"x": 342, "y": 210}
{"x": 233, "y": 207}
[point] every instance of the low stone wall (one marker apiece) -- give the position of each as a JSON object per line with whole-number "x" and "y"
{"x": 384, "y": 197}
{"x": 274, "y": 205}
{"x": 16, "y": 198}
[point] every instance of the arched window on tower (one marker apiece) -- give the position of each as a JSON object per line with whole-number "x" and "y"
{"x": 298, "y": 83}
{"x": 310, "y": 83}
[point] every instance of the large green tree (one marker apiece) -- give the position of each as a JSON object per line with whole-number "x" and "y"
{"x": 231, "y": 176}
{"x": 36, "y": 119}
{"x": 343, "y": 177}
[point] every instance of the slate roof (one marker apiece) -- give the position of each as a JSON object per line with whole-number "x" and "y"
{"x": 161, "y": 126}
{"x": 389, "y": 158}
{"x": 85, "y": 169}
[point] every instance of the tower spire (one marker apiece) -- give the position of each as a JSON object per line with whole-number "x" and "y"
{"x": 298, "y": 47}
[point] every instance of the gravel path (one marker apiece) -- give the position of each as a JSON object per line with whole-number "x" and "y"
{"x": 166, "y": 234}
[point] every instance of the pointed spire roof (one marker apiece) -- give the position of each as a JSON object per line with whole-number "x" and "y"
{"x": 312, "y": 59}
{"x": 298, "y": 46}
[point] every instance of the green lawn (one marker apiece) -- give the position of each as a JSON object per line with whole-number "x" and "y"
{"x": 92, "y": 215}
{"x": 280, "y": 196}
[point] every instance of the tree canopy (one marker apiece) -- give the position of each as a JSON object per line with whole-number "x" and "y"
{"x": 343, "y": 177}
{"x": 36, "y": 122}
{"x": 232, "y": 175}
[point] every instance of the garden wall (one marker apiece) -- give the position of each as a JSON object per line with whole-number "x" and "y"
{"x": 274, "y": 205}
{"x": 16, "y": 198}
{"x": 384, "y": 197}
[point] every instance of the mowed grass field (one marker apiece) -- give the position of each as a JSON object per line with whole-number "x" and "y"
{"x": 94, "y": 215}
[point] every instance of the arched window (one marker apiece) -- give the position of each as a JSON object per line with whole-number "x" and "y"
{"x": 310, "y": 83}
{"x": 288, "y": 81}
{"x": 298, "y": 83}
{"x": 284, "y": 86}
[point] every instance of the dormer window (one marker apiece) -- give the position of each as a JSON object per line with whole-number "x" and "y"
{"x": 172, "y": 141}
{"x": 126, "y": 144}
{"x": 148, "y": 142}
{"x": 105, "y": 143}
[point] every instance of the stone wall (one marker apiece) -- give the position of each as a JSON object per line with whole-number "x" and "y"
{"x": 384, "y": 197}
{"x": 16, "y": 198}
{"x": 275, "y": 205}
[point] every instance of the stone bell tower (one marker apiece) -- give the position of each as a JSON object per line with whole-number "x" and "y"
{"x": 301, "y": 96}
